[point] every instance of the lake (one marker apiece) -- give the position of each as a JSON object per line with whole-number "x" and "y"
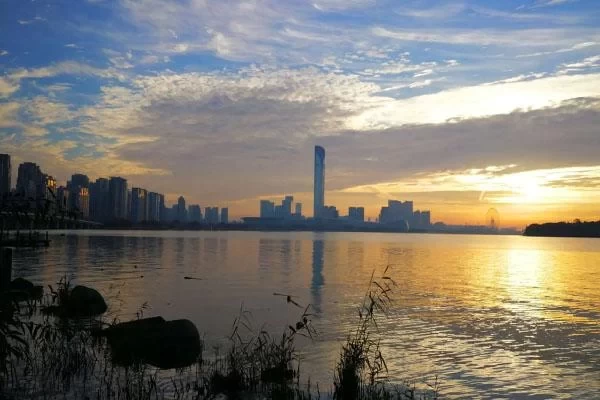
{"x": 489, "y": 316}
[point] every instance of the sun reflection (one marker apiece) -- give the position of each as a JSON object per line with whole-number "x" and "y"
{"x": 524, "y": 268}
{"x": 524, "y": 281}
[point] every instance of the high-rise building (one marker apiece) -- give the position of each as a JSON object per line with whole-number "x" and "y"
{"x": 267, "y": 209}
{"x": 139, "y": 205}
{"x": 62, "y": 199}
{"x": 5, "y": 175}
{"x": 426, "y": 219}
{"x": 118, "y": 197}
{"x": 356, "y": 214}
{"x": 129, "y": 198}
{"x": 80, "y": 200}
{"x": 224, "y": 215}
{"x": 162, "y": 208}
{"x": 397, "y": 211}
{"x": 155, "y": 203}
{"x": 194, "y": 213}
{"x": 319, "y": 181}
{"x": 29, "y": 180}
{"x": 298, "y": 211}
{"x": 80, "y": 180}
{"x": 286, "y": 206}
{"x": 100, "y": 208}
{"x": 181, "y": 210}
{"x": 211, "y": 215}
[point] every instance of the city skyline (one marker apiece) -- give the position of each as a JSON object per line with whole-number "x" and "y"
{"x": 458, "y": 105}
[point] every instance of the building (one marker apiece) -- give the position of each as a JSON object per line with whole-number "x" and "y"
{"x": 181, "y": 210}
{"x": 224, "y": 215}
{"x": 426, "y": 219}
{"x": 117, "y": 187}
{"x": 298, "y": 210}
{"x": 286, "y": 207}
{"x": 211, "y": 215}
{"x": 80, "y": 180}
{"x": 139, "y": 205}
{"x": 329, "y": 212}
{"x": 100, "y": 200}
{"x": 356, "y": 214}
{"x": 319, "y": 182}
{"x": 29, "y": 180}
{"x": 80, "y": 200}
{"x": 267, "y": 209}
{"x": 5, "y": 175}
{"x": 156, "y": 202}
{"x": 62, "y": 199}
{"x": 195, "y": 213}
{"x": 396, "y": 211}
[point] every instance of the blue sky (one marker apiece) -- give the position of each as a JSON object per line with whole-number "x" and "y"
{"x": 222, "y": 101}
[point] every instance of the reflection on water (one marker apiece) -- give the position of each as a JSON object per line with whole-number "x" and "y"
{"x": 489, "y": 316}
{"x": 317, "y": 275}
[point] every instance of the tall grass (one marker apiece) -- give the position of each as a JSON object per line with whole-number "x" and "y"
{"x": 61, "y": 358}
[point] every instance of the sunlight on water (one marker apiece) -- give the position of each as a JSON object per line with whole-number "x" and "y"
{"x": 489, "y": 316}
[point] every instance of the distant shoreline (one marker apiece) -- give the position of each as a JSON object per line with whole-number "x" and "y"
{"x": 576, "y": 229}
{"x": 243, "y": 228}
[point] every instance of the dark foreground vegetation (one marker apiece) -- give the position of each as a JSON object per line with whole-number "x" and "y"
{"x": 565, "y": 229}
{"x": 64, "y": 353}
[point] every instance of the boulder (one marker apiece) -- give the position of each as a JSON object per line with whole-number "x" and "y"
{"x": 163, "y": 344}
{"x": 21, "y": 289}
{"x": 84, "y": 302}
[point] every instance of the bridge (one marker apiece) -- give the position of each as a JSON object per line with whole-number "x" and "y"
{"x": 10, "y": 220}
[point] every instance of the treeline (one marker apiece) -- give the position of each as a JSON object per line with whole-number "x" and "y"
{"x": 565, "y": 229}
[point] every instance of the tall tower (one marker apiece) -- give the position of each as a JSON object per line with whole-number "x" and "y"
{"x": 319, "y": 183}
{"x": 5, "y": 175}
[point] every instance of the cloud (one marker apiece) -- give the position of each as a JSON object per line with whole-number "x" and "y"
{"x": 10, "y": 83}
{"x": 444, "y": 11}
{"x": 477, "y": 101}
{"x": 575, "y": 47}
{"x": 484, "y": 37}
{"x": 7, "y": 87}
{"x": 30, "y": 21}
{"x": 585, "y": 64}
{"x": 3, "y": 52}
{"x": 550, "y": 3}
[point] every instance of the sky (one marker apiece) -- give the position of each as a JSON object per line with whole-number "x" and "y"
{"x": 460, "y": 106}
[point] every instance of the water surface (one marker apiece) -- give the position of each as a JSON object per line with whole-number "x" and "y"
{"x": 489, "y": 316}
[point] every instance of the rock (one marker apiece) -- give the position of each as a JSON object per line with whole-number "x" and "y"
{"x": 84, "y": 302}
{"x": 164, "y": 344}
{"x": 21, "y": 284}
{"x": 21, "y": 289}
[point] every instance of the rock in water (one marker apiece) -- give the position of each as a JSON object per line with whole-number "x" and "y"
{"x": 22, "y": 289}
{"x": 164, "y": 344}
{"x": 84, "y": 302}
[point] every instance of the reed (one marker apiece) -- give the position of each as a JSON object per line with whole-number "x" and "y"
{"x": 47, "y": 357}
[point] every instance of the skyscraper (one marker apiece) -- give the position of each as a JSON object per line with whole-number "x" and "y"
{"x": 80, "y": 180}
{"x": 286, "y": 206}
{"x": 5, "y": 175}
{"x": 181, "y": 210}
{"x": 81, "y": 200}
{"x": 155, "y": 204}
{"x": 298, "y": 212}
{"x": 211, "y": 215}
{"x": 267, "y": 209}
{"x": 194, "y": 213}
{"x": 29, "y": 180}
{"x": 118, "y": 197}
{"x": 139, "y": 205}
{"x": 100, "y": 208}
{"x": 319, "y": 182}
{"x": 224, "y": 215}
